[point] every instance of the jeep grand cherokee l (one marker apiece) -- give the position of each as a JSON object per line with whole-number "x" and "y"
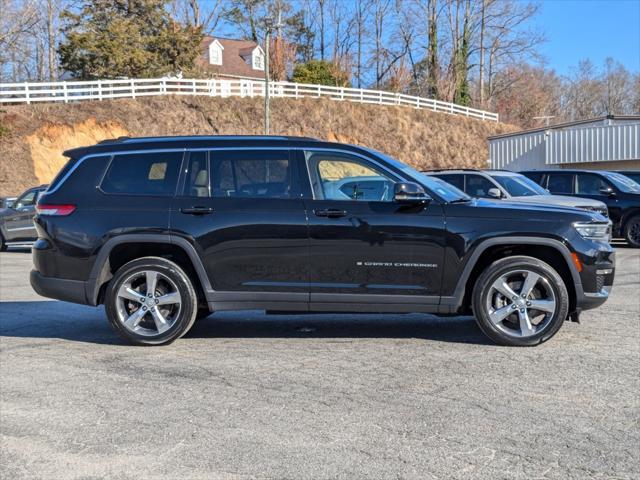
{"x": 164, "y": 230}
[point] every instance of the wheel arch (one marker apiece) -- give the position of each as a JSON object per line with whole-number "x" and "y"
{"x": 121, "y": 249}
{"x": 548, "y": 250}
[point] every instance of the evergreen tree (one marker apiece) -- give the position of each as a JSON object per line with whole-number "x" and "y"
{"x": 126, "y": 38}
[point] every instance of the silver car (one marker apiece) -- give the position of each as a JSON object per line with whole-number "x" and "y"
{"x": 502, "y": 184}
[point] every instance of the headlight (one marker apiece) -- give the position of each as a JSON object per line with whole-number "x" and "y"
{"x": 600, "y": 232}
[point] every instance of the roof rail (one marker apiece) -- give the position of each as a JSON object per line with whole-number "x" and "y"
{"x": 451, "y": 170}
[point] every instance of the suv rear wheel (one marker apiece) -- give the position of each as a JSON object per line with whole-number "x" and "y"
{"x": 151, "y": 301}
{"x": 520, "y": 301}
{"x": 632, "y": 231}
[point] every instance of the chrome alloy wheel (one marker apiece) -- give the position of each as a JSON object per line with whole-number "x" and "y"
{"x": 521, "y": 303}
{"x": 148, "y": 303}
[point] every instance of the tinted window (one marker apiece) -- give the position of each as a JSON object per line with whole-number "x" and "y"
{"x": 589, "y": 184}
{"x": 560, "y": 183}
{"x": 197, "y": 181}
{"x": 251, "y": 174}
{"x": 535, "y": 176}
{"x": 455, "y": 179}
{"x": 344, "y": 177}
{"x": 623, "y": 182}
{"x": 478, "y": 186}
{"x": 143, "y": 173}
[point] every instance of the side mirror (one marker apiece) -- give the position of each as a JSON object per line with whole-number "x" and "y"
{"x": 410, "y": 193}
{"x": 494, "y": 193}
{"x": 607, "y": 191}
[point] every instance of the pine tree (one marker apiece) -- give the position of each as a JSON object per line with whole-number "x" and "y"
{"x": 126, "y": 38}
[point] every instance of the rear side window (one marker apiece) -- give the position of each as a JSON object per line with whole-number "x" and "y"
{"x": 62, "y": 173}
{"x": 143, "y": 174}
{"x": 252, "y": 174}
{"x": 455, "y": 179}
{"x": 560, "y": 183}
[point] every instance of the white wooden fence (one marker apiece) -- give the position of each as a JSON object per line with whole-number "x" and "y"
{"x": 73, "y": 91}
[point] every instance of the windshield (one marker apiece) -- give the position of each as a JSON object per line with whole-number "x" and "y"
{"x": 519, "y": 185}
{"x": 442, "y": 189}
{"x": 622, "y": 182}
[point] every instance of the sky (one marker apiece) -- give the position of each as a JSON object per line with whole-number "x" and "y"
{"x": 593, "y": 29}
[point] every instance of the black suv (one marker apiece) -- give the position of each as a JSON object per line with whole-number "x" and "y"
{"x": 16, "y": 220}
{"x": 165, "y": 230}
{"x": 620, "y": 193}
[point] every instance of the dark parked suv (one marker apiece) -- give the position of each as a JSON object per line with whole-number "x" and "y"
{"x": 164, "y": 230}
{"x": 620, "y": 193}
{"x": 16, "y": 220}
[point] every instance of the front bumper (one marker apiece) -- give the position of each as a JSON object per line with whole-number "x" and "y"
{"x": 597, "y": 275}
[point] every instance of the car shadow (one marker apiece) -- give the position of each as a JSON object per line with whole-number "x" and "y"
{"x": 78, "y": 323}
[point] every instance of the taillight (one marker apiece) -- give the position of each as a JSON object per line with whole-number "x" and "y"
{"x": 55, "y": 210}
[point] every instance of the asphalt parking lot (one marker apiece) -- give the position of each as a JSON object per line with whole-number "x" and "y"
{"x": 245, "y": 395}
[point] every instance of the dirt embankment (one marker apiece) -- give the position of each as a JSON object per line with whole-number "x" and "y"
{"x": 33, "y": 137}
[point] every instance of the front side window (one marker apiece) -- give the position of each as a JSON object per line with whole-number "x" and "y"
{"x": 251, "y": 174}
{"x": 143, "y": 174}
{"x": 560, "y": 183}
{"x": 624, "y": 183}
{"x": 336, "y": 176}
{"x": 478, "y": 186}
{"x": 590, "y": 184}
{"x": 26, "y": 200}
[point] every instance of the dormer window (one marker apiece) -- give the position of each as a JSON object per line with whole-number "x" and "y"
{"x": 215, "y": 53}
{"x": 258, "y": 59}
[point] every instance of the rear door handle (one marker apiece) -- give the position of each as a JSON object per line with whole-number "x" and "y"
{"x": 331, "y": 213}
{"x": 197, "y": 210}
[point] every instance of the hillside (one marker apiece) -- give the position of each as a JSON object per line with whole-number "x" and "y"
{"x": 32, "y": 137}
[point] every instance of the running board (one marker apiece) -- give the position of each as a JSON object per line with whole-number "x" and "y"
{"x": 19, "y": 244}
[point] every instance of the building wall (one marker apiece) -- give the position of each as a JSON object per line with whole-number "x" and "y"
{"x": 618, "y": 165}
{"x": 555, "y": 148}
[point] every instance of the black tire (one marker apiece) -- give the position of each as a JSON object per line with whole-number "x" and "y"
{"x": 170, "y": 277}
{"x": 632, "y": 231}
{"x": 3, "y": 245}
{"x": 550, "y": 284}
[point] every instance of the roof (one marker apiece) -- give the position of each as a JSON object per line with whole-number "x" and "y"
{"x": 557, "y": 126}
{"x": 178, "y": 142}
{"x": 233, "y": 62}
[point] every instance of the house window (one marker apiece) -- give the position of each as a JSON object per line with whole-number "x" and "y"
{"x": 215, "y": 54}
{"x": 258, "y": 60}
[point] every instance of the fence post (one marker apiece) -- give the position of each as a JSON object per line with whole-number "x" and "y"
{"x": 26, "y": 93}
{"x": 163, "y": 86}
{"x": 99, "y": 91}
{"x": 342, "y": 93}
{"x": 467, "y": 111}
{"x": 65, "y": 94}
{"x": 318, "y": 91}
{"x": 193, "y": 86}
{"x": 295, "y": 88}
{"x": 133, "y": 88}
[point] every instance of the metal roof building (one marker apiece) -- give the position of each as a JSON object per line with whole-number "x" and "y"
{"x": 605, "y": 143}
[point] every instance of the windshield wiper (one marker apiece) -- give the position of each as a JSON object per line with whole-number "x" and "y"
{"x": 461, "y": 200}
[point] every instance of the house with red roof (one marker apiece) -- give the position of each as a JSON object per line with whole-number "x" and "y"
{"x": 227, "y": 57}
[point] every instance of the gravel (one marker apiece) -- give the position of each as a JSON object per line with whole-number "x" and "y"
{"x": 246, "y": 395}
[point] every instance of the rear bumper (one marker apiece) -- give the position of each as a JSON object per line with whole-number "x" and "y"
{"x": 61, "y": 289}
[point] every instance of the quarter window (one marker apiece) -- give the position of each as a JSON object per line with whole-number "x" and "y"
{"x": 343, "y": 177}
{"x": 251, "y": 174}
{"x": 143, "y": 174}
{"x": 455, "y": 179}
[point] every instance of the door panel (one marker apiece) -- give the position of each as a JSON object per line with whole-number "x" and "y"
{"x": 19, "y": 224}
{"x": 252, "y": 231}
{"x": 376, "y": 249}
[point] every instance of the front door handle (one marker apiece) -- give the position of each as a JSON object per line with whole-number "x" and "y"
{"x": 197, "y": 210}
{"x": 331, "y": 213}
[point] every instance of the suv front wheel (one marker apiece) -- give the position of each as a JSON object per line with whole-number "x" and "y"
{"x": 520, "y": 301}
{"x": 151, "y": 301}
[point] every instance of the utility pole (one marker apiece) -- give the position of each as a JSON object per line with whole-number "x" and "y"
{"x": 269, "y": 25}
